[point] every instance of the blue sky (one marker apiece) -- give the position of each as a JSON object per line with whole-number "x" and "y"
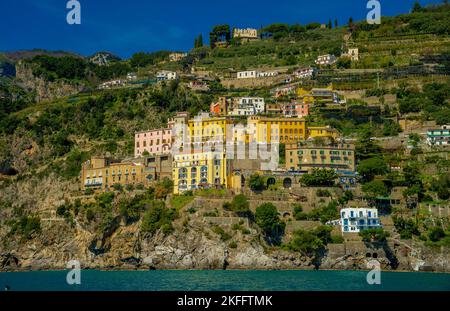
{"x": 124, "y": 27}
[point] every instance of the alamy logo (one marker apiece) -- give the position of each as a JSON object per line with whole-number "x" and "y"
{"x": 374, "y": 275}
{"x": 74, "y": 15}
{"x": 74, "y": 275}
{"x": 374, "y": 15}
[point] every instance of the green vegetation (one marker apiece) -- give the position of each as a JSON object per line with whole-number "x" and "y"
{"x": 178, "y": 202}
{"x": 256, "y": 182}
{"x": 223, "y": 235}
{"x": 319, "y": 178}
{"x": 267, "y": 219}
{"x": 158, "y": 216}
{"x": 26, "y": 226}
{"x": 372, "y": 167}
{"x": 375, "y": 188}
{"x": 374, "y": 235}
{"x": 240, "y": 206}
{"x": 311, "y": 242}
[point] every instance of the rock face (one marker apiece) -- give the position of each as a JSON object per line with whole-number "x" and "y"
{"x": 45, "y": 90}
{"x": 192, "y": 245}
{"x": 103, "y": 58}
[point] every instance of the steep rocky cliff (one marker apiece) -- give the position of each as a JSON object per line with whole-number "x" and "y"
{"x": 45, "y": 90}
{"x": 192, "y": 245}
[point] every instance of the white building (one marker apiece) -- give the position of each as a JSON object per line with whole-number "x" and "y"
{"x": 112, "y": 84}
{"x": 248, "y": 33}
{"x": 327, "y": 59}
{"x": 253, "y": 74}
{"x": 439, "y": 137}
{"x": 165, "y": 75}
{"x": 267, "y": 74}
{"x": 304, "y": 73}
{"x": 249, "y": 74}
{"x": 353, "y": 53}
{"x": 359, "y": 219}
{"x": 248, "y": 106}
{"x": 132, "y": 76}
{"x": 177, "y": 56}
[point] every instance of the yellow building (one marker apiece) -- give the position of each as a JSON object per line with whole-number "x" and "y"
{"x": 322, "y": 131}
{"x": 102, "y": 174}
{"x": 202, "y": 130}
{"x": 310, "y": 155}
{"x": 201, "y": 170}
{"x": 282, "y": 130}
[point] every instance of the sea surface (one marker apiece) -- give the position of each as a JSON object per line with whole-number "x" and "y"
{"x": 92, "y": 280}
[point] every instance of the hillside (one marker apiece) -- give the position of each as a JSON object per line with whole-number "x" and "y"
{"x": 54, "y": 116}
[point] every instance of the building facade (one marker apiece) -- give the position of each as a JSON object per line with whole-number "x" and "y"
{"x": 247, "y": 106}
{"x": 307, "y": 156}
{"x": 166, "y": 75}
{"x": 324, "y": 60}
{"x": 101, "y": 174}
{"x": 353, "y": 54}
{"x": 304, "y": 73}
{"x": 355, "y": 220}
{"x": 246, "y": 34}
{"x": 177, "y": 56}
{"x": 221, "y": 107}
{"x": 153, "y": 142}
{"x": 253, "y": 74}
{"x": 267, "y": 130}
{"x": 439, "y": 137}
{"x": 248, "y": 74}
{"x": 295, "y": 110}
{"x": 202, "y": 170}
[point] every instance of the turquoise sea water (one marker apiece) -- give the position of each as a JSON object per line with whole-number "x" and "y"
{"x": 224, "y": 281}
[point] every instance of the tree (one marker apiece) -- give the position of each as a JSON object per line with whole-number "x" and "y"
{"x": 435, "y": 234}
{"x": 319, "y": 177}
{"x": 256, "y": 182}
{"x": 330, "y": 24}
{"x": 198, "y": 42}
{"x": 344, "y": 62}
{"x": 220, "y": 33}
{"x": 158, "y": 217}
{"x": 417, "y": 7}
{"x": 365, "y": 147}
{"x": 372, "y": 167}
{"x": 311, "y": 242}
{"x": 267, "y": 219}
{"x": 374, "y": 235}
{"x": 375, "y": 188}
{"x": 163, "y": 188}
{"x": 351, "y": 25}
{"x": 406, "y": 227}
{"x": 241, "y": 206}
{"x": 336, "y": 24}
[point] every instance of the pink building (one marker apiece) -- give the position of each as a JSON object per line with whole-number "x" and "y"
{"x": 155, "y": 142}
{"x": 296, "y": 110}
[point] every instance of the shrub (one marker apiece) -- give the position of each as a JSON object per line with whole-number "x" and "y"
{"x": 435, "y": 234}
{"x": 156, "y": 217}
{"x": 374, "y": 235}
{"x": 319, "y": 177}
{"x": 223, "y": 235}
{"x": 256, "y": 182}
{"x": 310, "y": 242}
{"x": 406, "y": 227}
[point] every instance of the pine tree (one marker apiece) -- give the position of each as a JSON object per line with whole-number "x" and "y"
{"x": 417, "y": 7}
{"x": 330, "y": 24}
